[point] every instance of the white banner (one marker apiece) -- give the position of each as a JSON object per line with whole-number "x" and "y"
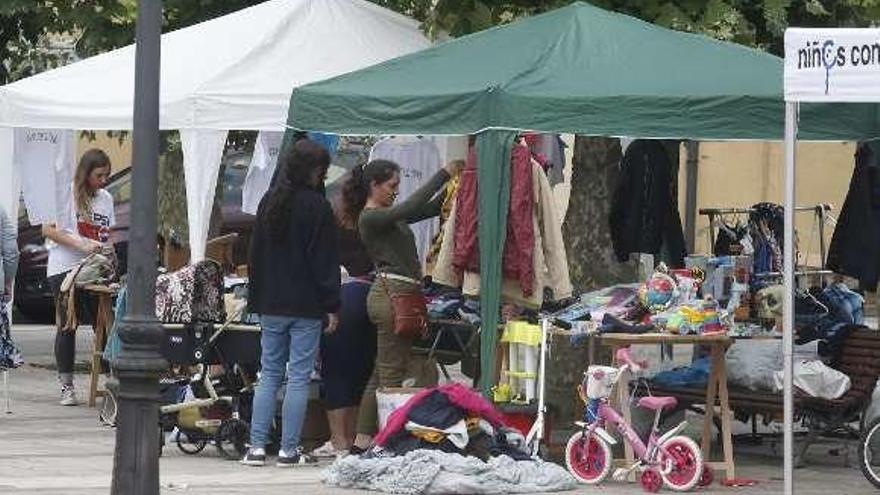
{"x": 827, "y": 65}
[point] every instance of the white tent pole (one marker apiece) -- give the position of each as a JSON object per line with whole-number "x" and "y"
{"x": 791, "y": 115}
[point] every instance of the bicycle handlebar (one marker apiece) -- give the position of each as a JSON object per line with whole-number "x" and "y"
{"x": 624, "y": 357}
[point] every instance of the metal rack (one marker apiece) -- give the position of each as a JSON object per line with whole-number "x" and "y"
{"x": 820, "y": 211}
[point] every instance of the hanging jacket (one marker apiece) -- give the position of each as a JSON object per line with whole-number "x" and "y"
{"x": 855, "y": 245}
{"x": 466, "y": 249}
{"x": 550, "y": 259}
{"x": 644, "y": 211}
{"x": 518, "y": 255}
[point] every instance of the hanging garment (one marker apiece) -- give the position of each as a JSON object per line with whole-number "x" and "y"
{"x": 855, "y": 245}
{"x": 644, "y": 213}
{"x": 767, "y": 230}
{"x": 260, "y": 171}
{"x": 466, "y": 253}
{"x": 445, "y": 212}
{"x": 46, "y": 161}
{"x": 419, "y": 160}
{"x": 550, "y": 259}
{"x": 549, "y": 151}
{"x": 519, "y": 246}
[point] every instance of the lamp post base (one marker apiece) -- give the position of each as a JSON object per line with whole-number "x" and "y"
{"x": 136, "y": 459}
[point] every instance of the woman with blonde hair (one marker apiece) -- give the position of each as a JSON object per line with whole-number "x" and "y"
{"x": 86, "y": 231}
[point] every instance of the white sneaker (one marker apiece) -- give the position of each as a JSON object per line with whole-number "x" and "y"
{"x": 68, "y": 396}
{"x": 254, "y": 457}
{"x": 326, "y": 451}
{"x": 297, "y": 458}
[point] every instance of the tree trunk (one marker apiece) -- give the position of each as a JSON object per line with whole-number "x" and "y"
{"x": 591, "y": 264}
{"x": 591, "y": 261}
{"x": 173, "y": 222}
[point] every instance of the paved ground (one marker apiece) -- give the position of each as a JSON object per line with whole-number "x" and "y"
{"x": 47, "y": 449}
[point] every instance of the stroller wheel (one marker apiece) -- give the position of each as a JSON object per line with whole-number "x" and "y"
{"x": 187, "y": 446}
{"x": 232, "y": 437}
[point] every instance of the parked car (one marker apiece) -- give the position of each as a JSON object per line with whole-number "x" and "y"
{"x": 33, "y": 297}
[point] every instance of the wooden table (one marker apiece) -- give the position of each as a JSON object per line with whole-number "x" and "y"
{"x": 716, "y": 390}
{"x": 103, "y": 324}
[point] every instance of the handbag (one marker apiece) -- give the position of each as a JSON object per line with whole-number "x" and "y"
{"x": 409, "y": 311}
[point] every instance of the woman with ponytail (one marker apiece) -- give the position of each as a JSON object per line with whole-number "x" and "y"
{"x": 384, "y": 230}
{"x": 294, "y": 287}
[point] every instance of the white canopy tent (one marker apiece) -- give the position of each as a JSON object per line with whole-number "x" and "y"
{"x": 231, "y": 73}
{"x": 823, "y": 66}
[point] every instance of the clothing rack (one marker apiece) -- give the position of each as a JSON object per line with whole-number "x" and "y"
{"x": 820, "y": 210}
{"x": 799, "y": 273}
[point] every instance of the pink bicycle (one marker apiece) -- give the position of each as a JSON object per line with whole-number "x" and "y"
{"x": 671, "y": 459}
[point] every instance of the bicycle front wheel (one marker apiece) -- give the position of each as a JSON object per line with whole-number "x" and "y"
{"x": 588, "y": 458}
{"x": 869, "y": 452}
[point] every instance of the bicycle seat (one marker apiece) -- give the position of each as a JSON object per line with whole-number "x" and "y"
{"x": 658, "y": 403}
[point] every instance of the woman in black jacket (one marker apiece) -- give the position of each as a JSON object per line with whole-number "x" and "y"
{"x": 294, "y": 285}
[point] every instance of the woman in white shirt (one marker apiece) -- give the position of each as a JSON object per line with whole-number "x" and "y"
{"x": 86, "y": 231}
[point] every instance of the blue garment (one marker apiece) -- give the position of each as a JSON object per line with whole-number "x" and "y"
{"x": 591, "y": 412}
{"x": 291, "y": 343}
{"x": 349, "y": 354}
{"x": 114, "y": 344}
{"x": 695, "y": 375}
{"x": 330, "y": 142}
{"x": 846, "y": 305}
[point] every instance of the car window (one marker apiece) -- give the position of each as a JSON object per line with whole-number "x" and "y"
{"x": 233, "y": 181}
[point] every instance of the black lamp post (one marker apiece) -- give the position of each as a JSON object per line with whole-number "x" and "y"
{"x": 136, "y": 460}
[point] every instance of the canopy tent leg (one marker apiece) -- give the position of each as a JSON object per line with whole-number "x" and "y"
{"x": 791, "y": 115}
{"x": 493, "y": 177}
{"x": 202, "y": 154}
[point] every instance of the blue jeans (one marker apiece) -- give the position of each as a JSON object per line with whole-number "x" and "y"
{"x": 290, "y": 343}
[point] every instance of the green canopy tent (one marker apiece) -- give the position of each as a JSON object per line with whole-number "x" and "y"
{"x": 580, "y": 70}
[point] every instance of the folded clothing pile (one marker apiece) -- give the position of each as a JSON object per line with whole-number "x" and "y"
{"x": 451, "y": 418}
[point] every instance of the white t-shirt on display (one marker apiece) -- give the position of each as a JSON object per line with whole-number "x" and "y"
{"x": 419, "y": 160}
{"x": 96, "y": 226}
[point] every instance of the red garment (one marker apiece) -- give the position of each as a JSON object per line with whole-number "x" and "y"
{"x": 466, "y": 251}
{"x": 519, "y": 246}
{"x": 519, "y": 249}
{"x": 534, "y": 143}
{"x": 463, "y": 397}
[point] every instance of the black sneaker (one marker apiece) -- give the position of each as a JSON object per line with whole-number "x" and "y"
{"x": 298, "y": 458}
{"x": 254, "y": 457}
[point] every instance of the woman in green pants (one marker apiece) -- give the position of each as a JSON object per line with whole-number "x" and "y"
{"x": 384, "y": 230}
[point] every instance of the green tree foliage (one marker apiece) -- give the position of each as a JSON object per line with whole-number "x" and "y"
{"x": 30, "y": 30}
{"x": 758, "y": 23}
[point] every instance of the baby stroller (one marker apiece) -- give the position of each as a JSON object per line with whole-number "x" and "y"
{"x": 210, "y": 407}
{"x": 212, "y": 403}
